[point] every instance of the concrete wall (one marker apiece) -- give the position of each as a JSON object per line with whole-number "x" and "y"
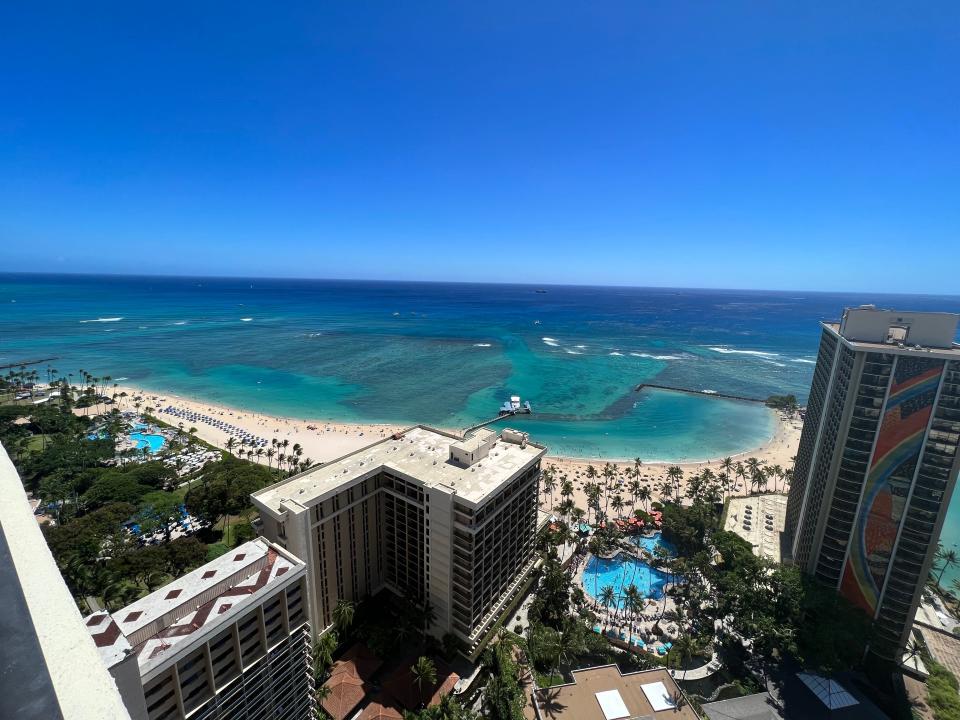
{"x": 439, "y": 556}
{"x": 79, "y": 683}
{"x": 926, "y": 329}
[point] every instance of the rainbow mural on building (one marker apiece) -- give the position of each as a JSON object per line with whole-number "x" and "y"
{"x": 899, "y": 442}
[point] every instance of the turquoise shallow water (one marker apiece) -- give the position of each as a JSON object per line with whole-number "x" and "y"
{"x": 620, "y": 572}
{"x": 444, "y": 354}
{"x": 154, "y": 442}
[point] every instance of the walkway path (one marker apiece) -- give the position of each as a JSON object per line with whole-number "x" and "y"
{"x": 699, "y": 673}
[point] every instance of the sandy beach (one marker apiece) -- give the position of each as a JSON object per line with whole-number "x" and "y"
{"x": 332, "y": 439}
{"x": 780, "y": 450}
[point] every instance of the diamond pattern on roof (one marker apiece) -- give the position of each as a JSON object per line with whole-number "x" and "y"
{"x": 239, "y": 557}
{"x": 208, "y": 574}
{"x": 133, "y": 616}
{"x": 172, "y": 594}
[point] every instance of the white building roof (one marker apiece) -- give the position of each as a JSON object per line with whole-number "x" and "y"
{"x": 421, "y": 454}
{"x": 156, "y": 625}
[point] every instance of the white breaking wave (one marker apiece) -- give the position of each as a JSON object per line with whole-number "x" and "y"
{"x": 618, "y": 354}
{"x": 116, "y": 319}
{"x": 482, "y": 345}
{"x": 731, "y": 351}
{"x": 774, "y": 362}
{"x": 657, "y": 357}
{"x": 181, "y": 322}
{"x": 803, "y": 360}
{"x": 573, "y": 352}
{"x": 120, "y": 379}
{"x": 580, "y": 347}
{"x": 245, "y": 319}
{"x": 552, "y": 342}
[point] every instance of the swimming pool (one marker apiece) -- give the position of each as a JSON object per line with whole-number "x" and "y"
{"x": 622, "y": 571}
{"x": 154, "y": 442}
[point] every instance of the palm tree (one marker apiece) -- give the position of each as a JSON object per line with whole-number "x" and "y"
{"x": 955, "y": 586}
{"x": 634, "y": 488}
{"x": 270, "y": 453}
{"x": 608, "y": 475}
{"x": 675, "y": 475}
{"x": 913, "y": 649}
{"x": 727, "y": 465}
{"x": 644, "y": 495}
{"x": 632, "y": 600}
{"x": 322, "y": 655}
{"x": 423, "y": 672}
{"x": 593, "y": 498}
{"x": 577, "y": 514}
{"x": 322, "y": 693}
{"x": 343, "y": 614}
{"x": 230, "y": 444}
{"x": 567, "y": 642}
{"x": 948, "y": 558}
{"x": 550, "y": 482}
{"x": 608, "y": 595}
{"x": 617, "y": 505}
{"x": 777, "y": 473}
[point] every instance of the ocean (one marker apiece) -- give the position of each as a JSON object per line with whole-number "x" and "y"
{"x": 449, "y": 354}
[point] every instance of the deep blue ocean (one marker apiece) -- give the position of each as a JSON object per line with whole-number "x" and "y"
{"x": 449, "y": 354}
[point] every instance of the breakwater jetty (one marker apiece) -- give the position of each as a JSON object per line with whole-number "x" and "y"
{"x": 690, "y": 391}
{"x": 23, "y": 363}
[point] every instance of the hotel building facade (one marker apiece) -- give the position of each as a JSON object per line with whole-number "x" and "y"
{"x": 433, "y": 517}
{"x": 227, "y": 640}
{"x": 877, "y": 462}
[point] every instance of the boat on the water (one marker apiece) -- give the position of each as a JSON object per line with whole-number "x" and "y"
{"x": 514, "y": 407}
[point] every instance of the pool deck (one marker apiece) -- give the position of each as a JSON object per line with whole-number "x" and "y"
{"x": 768, "y": 520}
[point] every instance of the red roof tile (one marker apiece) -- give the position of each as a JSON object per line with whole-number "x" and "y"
{"x": 346, "y": 692}
{"x": 381, "y": 708}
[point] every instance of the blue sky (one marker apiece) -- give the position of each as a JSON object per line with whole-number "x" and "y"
{"x": 711, "y": 144}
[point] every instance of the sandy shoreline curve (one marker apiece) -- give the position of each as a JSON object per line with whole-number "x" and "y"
{"x": 332, "y": 439}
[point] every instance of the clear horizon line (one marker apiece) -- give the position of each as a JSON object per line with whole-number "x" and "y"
{"x": 465, "y": 282}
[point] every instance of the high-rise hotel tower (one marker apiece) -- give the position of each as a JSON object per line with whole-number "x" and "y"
{"x": 433, "y": 517}
{"x": 877, "y": 461}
